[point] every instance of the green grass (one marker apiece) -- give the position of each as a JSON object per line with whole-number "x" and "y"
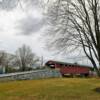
{"x": 51, "y": 89}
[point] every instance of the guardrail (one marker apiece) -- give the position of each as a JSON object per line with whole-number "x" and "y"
{"x": 37, "y": 74}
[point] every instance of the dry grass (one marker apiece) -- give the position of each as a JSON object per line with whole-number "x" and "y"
{"x": 51, "y": 89}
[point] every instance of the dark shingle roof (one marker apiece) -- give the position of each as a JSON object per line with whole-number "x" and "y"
{"x": 66, "y": 63}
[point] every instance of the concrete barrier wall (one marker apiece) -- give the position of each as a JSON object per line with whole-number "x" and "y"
{"x": 37, "y": 74}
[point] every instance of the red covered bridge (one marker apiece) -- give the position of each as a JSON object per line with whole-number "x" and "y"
{"x": 69, "y": 68}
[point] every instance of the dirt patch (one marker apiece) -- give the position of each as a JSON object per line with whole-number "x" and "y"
{"x": 97, "y": 89}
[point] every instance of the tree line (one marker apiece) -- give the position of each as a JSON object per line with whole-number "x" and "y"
{"x": 23, "y": 58}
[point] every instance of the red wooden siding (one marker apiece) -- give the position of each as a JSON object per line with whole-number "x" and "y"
{"x": 74, "y": 70}
{"x": 66, "y": 68}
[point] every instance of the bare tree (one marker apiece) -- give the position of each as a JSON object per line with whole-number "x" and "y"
{"x": 2, "y": 60}
{"x": 25, "y": 58}
{"x": 76, "y": 23}
{"x": 5, "y": 59}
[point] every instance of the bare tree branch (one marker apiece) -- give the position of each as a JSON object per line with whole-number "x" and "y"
{"x": 25, "y": 58}
{"x": 76, "y": 23}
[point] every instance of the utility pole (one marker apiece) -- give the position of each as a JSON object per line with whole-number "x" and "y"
{"x": 41, "y": 61}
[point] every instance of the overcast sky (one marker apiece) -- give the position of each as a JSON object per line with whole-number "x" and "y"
{"x": 24, "y": 23}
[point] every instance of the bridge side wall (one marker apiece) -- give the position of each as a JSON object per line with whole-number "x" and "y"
{"x": 38, "y": 74}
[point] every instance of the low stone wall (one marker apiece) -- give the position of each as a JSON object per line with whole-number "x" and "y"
{"x": 37, "y": 74}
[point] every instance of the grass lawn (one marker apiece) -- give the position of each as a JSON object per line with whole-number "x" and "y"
{"x": 51, "y": 89}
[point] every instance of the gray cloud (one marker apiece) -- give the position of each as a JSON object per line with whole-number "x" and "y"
{"x": 8, "y": 4}
{"x": 30, "y": 25}
{"x": 32, "y": 2}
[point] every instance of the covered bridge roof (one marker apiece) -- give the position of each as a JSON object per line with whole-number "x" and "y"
{"x": 66, "y": 63}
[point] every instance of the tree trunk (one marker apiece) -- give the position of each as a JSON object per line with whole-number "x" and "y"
{"x": 96, "y": 68}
